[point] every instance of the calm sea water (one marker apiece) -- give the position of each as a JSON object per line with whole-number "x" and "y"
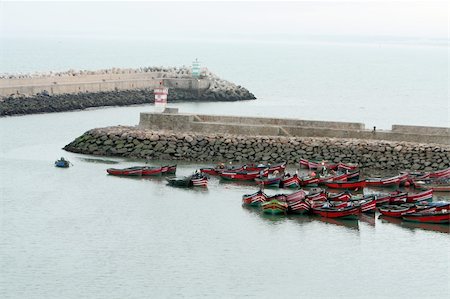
{"x": 79, "y": 233}
{"x": 375, "y": 84}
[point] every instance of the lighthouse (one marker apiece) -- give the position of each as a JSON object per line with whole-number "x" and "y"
{"x": 161, "y": 93}
{"x": 196, "y": 68}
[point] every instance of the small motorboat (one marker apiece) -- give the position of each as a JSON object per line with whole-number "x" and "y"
{"x": 346, "y": 185}
{"x": 198, "y": 179}
{"x": 63, "y": 163}
{"x": 290, "y": 181}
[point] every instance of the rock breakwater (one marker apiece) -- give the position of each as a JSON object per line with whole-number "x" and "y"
{"x": 168, "y": 145}
{"x": 73, "y": 90}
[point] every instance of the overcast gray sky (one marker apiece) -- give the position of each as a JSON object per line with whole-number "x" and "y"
{"x": 428, "y": 19}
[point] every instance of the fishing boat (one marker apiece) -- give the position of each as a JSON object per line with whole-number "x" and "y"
{"x": 275, "y": 205}
{"x": 130, "y": 171}
{"x": 278, "y": 167}
{"x": 346, "y": 167}
{"x": 382, "y": 198}
{"x": 396, "y": 210}
{"x": 425, "y": 195}
{"x": 350, "y": 212}
{"x": 308, "y": 181}
{"x": 353, "y": 175}
{"x": 184, "y": 181}
{"x": 147, "y": 171}
{"x": 387, "y": 181}
{"x": 169, "y": 169}
{"x": 195, "y": 180}
{"x": 367, "y": 205}
{"x": 254, "y": 199}
{"x": 342, "y": 196}
{"x": 428, "y": 217}
{"x": 332, "y": 178}
{"x": 243, "y": 175}
{"x": 199, "y": 179}
{"x": 435, "y": 185}
{"x": 290, "y": 181}
{"x": 269, "y": 181}
{"x": 397, "y": 197}
{"x": 297, "y": 202}
{"x": 62, "y": 163}
{"x": 317, "y": 164}
{"x": 346, "y": 185}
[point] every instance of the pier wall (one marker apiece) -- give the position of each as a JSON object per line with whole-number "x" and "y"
{"x": 136, "y": 142}
{"x": 260, "y": 126}
{"x": 95, "y": 83}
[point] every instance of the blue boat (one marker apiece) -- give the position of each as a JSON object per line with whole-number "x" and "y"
{"x": 63, "y": 163}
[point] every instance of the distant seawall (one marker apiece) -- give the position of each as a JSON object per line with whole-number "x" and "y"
{"x": 224, "y": 143}
{"x": 71, "y": 90}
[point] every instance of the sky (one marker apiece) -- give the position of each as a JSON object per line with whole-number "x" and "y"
{"x": 216, "y": 19}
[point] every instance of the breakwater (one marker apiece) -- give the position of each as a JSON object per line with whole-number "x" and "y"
{"x": 73, "y": 90}
{"x": 137, "y": 142}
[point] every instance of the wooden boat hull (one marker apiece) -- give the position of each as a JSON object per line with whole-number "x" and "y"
{"x": 422, "y": 196}
{"x": 347, "y": 213}
{"x": 438, "y": 217}
{"x": 254, "y": 199}
{"x": 150, "y": 171}
{"x": 290, "y": 182}
{"x": 346, "y": 185}
{"x": 131, "y": 171}
{"x": 268, "y": 182}
{"x": 274, "y": 207}
{"x": 184, "y": 182}
{"x": 396, "y": 211}
{"x": 242, "y": 175}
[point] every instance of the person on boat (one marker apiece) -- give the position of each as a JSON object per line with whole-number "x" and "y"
{"x": 62, "y": 159}
{"x": 261, "y": 173}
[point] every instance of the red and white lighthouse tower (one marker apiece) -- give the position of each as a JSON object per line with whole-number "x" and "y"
{"x": 161, "y": 93}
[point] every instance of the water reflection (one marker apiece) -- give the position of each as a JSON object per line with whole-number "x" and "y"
{"x": 347, "y": 223}
{"x": 441, "y": 228}
{"x": 96, "y": 160}
{"x": 367, "y": 218}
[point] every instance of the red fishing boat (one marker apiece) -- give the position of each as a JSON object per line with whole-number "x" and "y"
{"x": 332, "y": 178}
{"x": 279, "y": 167}
{"x": 353, "y": 175}
{"x": 317, "y": 164}
{"x": 342, "y": 196}
{"x": 397, "y": 197}
{"x": 243, "y": 175}
{"x": 389, "y": 181}
{"x": 169, "y": 169}
{"x": 428, "y": 217}
{"x": 254, "y": 199}
{"x": 297, "y": 202}
{"x": 308, "y": 181}
{"x": 343, "y": 166}
{"x": 151, "y": 170}
{"x": 289, "y": 181}
{"x": 368, "y": 205}
{"x": 382, "y": 198}
{"x": 130, "y": 171}
{"x": 331, "y": 212}
{"x": 346, "y": 185}
{"x": 269, "y": 181}
{"x": 397, "y": 210}
{"x": 426, "y": 195}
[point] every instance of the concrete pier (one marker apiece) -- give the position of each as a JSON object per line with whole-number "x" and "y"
{"x": 262, "y": 126}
